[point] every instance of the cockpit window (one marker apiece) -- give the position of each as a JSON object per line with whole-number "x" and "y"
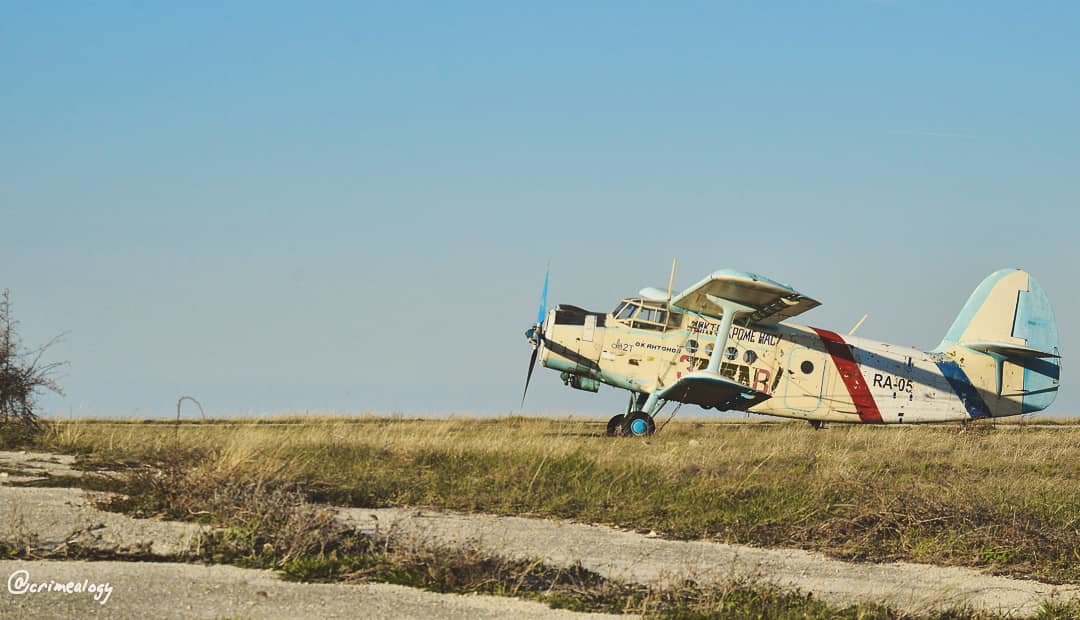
{"x": 645, "y": 314}
{"x": 652, "y": 315}
{"x": 650, "y": 319}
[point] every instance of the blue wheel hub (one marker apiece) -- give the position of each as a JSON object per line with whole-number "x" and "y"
{"x": 639, "y": 427}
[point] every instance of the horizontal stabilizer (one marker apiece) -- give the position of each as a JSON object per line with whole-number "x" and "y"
{"x": 1009, "y": 349}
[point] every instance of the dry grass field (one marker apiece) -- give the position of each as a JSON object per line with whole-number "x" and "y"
{"x": 1004, "y": 498}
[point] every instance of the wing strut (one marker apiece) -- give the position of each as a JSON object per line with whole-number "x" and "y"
{"x": 731, "y": 309}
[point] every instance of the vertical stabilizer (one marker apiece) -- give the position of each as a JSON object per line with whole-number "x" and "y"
{"x": 1008, "y": 326}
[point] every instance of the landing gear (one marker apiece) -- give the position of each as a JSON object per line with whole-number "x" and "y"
{"x": 614, "y": 425}
{"x": 818, "y": 424}
{"x": 635, "y": 422}
{"x": 638, "y": 424}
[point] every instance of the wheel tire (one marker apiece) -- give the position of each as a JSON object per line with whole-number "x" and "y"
{"x": 638, "y": 424}
{"x": 614, "y": 425}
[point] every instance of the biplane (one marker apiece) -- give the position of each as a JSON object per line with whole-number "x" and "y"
{"x": 726, "y": 343}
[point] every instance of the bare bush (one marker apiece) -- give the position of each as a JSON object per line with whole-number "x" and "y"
{"x": 259, "y": 521}
{"x": 23, "y": 376}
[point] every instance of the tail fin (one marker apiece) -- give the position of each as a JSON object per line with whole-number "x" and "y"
{"x": 1008, "y": 318}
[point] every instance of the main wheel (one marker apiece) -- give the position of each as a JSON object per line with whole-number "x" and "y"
{"x": 638, "y": 424}
{"x": 614, "y": 424}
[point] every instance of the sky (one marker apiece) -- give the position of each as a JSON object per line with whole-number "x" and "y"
{"x": 349, "y": 207}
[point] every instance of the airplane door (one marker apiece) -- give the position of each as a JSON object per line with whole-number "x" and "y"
{"x": 805, "y": 379}
{"x": 904, "y": 394}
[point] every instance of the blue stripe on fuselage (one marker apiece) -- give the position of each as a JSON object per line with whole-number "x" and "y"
{"x": 957, "y": 378}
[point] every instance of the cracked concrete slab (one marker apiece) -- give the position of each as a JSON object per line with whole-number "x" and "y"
{"x": 23, "y": 466}
{"x": 156, "y": 590}
{"x": 633, "y": 557}
{"x": 50, "y": 518}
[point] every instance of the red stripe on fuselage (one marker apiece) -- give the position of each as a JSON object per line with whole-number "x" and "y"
{"x": 852, "y": 377}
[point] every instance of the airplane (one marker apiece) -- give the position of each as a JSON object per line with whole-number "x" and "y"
{"x": 724, "y": 343}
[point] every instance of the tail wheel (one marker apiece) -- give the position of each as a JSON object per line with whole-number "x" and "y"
{"x": 614, "y": 425}
{"x": 638, "y": 424}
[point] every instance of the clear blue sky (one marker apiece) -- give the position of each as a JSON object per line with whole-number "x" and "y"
{"x": 286, "y": 207}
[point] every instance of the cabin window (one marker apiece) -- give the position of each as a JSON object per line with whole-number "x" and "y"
{"x": 749, "y": 357}
{"x": 691, "y": 346}
{"x": 674, "y": 320}
{"x": 627, "y": 311}
{"x": 807, "y": 367}
{"x": 731, "y": 353}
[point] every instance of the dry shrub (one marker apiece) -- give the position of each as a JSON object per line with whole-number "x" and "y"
{"x": 261, "y": 522}
{"x": 23, "y": 376}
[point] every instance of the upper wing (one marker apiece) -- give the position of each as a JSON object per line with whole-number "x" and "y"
{"x": 773, "y": 301}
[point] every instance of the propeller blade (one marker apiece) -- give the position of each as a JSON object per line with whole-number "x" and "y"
{"x": 543, "y": 298}
{"x": 537, "y": 332}
{"x": 528, "y": 377}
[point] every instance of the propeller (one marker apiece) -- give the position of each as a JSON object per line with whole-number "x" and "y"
{"x": 535, "y": 334}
